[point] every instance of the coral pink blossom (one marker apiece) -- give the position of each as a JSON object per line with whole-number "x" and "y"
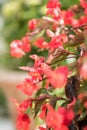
{"x": 56, "y": 42}
{"x": 59, "y": 120}
{"x": 53, "y": 7}
{"x": 27, "y": 87}
{"x": 43, "y": 112}
{"x": 41, "y": 43}
{"x": 83, "y": 3}
{"x": 26, "y": 44}
{"x": 58, "y": 77}
{"x": 19, "y": 47}
{"x": 16, "y": 50}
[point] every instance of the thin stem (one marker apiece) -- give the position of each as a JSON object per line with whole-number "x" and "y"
{"x": 45, "y": 96}
{"x": 68, "y": 52}
{"x": 80, "y": 26}
{"x": 75, "y": 28}
{"x": 63, "y": 59}
{"x": 61, "y": 98}
{"x": 53, "y": 64}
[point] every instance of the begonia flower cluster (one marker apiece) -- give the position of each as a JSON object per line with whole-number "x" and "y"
{"x": 63, "y": 34}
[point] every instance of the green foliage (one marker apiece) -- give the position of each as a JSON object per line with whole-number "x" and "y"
{"x": 3, "y": 104}
{"x": 67, "y": 3}
{"x": 16, "y": 15}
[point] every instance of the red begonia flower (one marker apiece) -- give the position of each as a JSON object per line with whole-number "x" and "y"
{"x": 41, "y": 43}
{"x": 23, "y": 122}
{"x": 32, "y": 24}
{"x": 59, "y": 120}
{"x": 58, "y": 77}
{"x": 27, "y": 87}
{"x": 83, "y": 3}
{"x": 19, "y": 47}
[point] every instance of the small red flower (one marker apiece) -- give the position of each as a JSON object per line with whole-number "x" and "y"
{"x": 24, "y": 105}
{"x": 59, "y": 120}
{"x": 83, "y": 3}
{"x": 27, "y": 86}
{"x": 38, "y": 61}
{"x": 19, "y": 47}
{"x": 53, "y": 4}
{"x": 68, "y": 115}
{"x": 23, "y": 122}
{"x": 41, "y": 43}
{"x": 16, "y": 50}
{"x": 32, "y": 24}
{"x": 26, "y": 44}
{"x": 53, "y": 7}
{"x": 55, "y": 43}
{"x": 42, "y": 114}
{"x": 35, "y": 73}
{"x": 68, "y": 17}
{"x": 58, "y": 77}
{"x": 46, "y": 69}
{"x": 83, "y": 20}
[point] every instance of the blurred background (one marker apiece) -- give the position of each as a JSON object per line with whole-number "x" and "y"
{"x": 14, "y": 16}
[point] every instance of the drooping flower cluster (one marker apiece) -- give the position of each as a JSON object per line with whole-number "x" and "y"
{"x": 63, "y": 34}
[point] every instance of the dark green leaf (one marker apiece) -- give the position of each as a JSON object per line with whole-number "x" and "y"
{"x": 65, "y": 104}
{"x": 38, "y": 105}
{"x": 41, "y": 91}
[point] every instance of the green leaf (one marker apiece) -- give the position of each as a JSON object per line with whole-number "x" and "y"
{"x": 58, "y": 91}
{"x": 38, "y": 105}
{"x": 64, "y": 104}
{"x": 82, "y": 116}
{"x": 41, "y": 91}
